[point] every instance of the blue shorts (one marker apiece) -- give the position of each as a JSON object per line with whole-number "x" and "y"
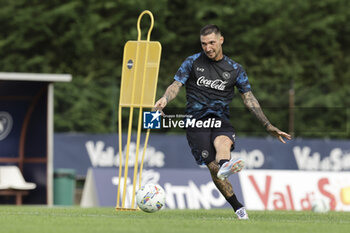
{"x": 201, "y": 140}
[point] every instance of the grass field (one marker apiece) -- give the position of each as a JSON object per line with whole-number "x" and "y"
{"x": 78, "y": 220}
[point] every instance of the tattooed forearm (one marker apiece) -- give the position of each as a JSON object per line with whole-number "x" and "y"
{"x": 253, "y": 105}
{"x": 172, "y": 91}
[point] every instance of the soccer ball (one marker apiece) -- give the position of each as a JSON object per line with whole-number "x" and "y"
{"x": 150, "y": 198}
{"x": 320, "y": 206}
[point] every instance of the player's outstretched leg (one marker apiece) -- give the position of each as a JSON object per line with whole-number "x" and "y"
{"x": 223, "y": 145}
{"x": 226, "y": 190}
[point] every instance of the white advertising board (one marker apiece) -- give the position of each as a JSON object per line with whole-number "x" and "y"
{"x": 294, "y": 190}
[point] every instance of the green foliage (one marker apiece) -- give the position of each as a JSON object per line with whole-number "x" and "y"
{"x": 278, "y": 42}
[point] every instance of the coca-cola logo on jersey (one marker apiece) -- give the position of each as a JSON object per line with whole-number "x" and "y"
{"x": 214, "y": 84}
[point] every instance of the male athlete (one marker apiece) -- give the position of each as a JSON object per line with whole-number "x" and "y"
{"x": 210, "y": 78}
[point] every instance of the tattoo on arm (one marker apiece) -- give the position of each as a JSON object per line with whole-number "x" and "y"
{"x": 253, "y": 105}
{"x": 172, "y": 91}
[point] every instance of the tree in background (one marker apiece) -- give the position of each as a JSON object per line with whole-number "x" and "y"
{"x": 278, "y": 42}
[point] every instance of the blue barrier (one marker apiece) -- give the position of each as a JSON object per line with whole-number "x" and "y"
{"x": 81, "y": 151}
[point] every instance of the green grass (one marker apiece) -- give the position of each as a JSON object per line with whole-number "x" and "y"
{"x": 79, "y": 220}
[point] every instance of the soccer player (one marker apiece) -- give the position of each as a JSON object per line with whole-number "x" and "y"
{"x": 210, "y": 78}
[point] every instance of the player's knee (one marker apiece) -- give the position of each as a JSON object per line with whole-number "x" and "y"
{"x": 222, "y": 142}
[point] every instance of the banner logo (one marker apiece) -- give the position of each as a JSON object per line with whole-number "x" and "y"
{"x": 5, "y": 125}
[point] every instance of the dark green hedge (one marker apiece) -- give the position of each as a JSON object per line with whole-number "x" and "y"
{"x": 279, "y": 42}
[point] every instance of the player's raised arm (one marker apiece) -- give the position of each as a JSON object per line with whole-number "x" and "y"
{"x": 170, "y": 93}
{"x": 253, "y": 105}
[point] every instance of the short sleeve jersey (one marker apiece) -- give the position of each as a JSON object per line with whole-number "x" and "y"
{"x": 210, "y": 84}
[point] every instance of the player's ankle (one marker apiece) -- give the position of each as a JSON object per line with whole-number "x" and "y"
{"x": 234, "y": 202}
{"x": 222, "y": 161}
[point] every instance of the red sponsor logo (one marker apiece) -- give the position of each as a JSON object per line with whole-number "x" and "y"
{"x": 283, "y": 199}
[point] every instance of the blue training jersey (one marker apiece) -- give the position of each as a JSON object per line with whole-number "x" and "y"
{"x": 210, "y": 84}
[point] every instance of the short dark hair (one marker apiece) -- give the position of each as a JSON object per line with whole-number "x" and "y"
{"x": 209, "y": 29}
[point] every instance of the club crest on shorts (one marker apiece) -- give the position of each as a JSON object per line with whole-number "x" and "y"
{"x": 205, "y": 154}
